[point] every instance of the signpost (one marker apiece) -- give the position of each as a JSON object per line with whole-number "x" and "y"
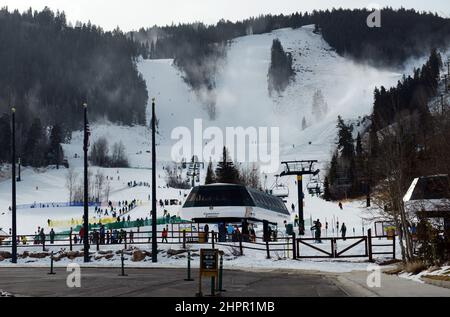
{"x": 209, "y": 267}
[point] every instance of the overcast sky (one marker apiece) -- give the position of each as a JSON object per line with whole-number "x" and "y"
{"x": 133, "y": 14}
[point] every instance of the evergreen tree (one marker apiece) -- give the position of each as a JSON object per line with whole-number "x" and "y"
{"x": 304, "y": 124}
{"x": 345, "y": 139}
{"x": 332, "y": 172}
{"x": 32, "y": 151}
{"x": 55, "y": 153}
{"x": 5, "y": 138}
{"x": 326, "y": 190}
{"x": 280, "y": 71}
{"x": 226, "y": 172}
{"x": 210, "y": 175}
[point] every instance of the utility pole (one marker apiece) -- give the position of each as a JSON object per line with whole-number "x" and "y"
{"x": 86, "y": 193}
{"x": 300, "y": 168}
{"x": 13, "y": 188}
{"x": 154, "y": 219}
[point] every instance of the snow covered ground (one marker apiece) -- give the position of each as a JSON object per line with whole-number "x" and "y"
{"x": 241, "y": 99}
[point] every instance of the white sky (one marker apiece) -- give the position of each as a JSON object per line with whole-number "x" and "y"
{"x": 133, "y": 14}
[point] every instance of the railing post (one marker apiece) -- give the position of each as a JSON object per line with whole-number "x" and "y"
{"x": 125, "y": 238}
{"x": 393, "y": 247}
{"x": 294, "y": 251}
{"x": 70, "y": 240}
{"x": 98, "y": 242}
{"x": 220, "y": 273}
{"x": 184, "y": 239}
{"x": 241, "y": 249}
{"x": 334, "y": 247}
{"x": 189, "y": 267}
{"x": 122, "y": 260}
{"x": 366, "y": 247}
{"x": 267, "y": 249}
{"x": 212, "y": 239}
{"x": 51, "y": 264}
{"x": 369, "y": 243}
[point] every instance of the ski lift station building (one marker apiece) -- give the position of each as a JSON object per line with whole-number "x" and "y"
{"x": 230, "y": 203}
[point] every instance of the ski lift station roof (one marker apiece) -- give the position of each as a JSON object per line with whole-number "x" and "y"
{"x": 429, "y": 195}
{"x": 233, "y": 203}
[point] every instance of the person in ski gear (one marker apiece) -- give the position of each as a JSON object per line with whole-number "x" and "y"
{"x": 340, "y": 206}
{"x": 317, "y": 228}
{"x": 52, "y": 236}
{"x": 206, "y": 230}
{"x": 343, "y": 230}
{"x": 42, "y": 236}
{"x": 296, "y": 221}
{"x": 164, "y": 235}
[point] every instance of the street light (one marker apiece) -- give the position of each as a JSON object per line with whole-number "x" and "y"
{"x": 13, "y": 187}
{"x": 154, "y": 219}
{"x": 86, "y": 195}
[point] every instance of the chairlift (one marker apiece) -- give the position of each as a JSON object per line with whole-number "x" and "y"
{"x": 279, "y": 190}
{"x": 315, "y": 186}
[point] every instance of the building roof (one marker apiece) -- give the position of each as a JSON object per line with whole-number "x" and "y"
{"x": 428, "y": 194}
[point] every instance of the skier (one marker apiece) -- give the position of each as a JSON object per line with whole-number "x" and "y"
{"x": 131, "y": 234}
{"x": 206, "y": 229}
{"x": 81, "y": 234}
{"x": 343, "y": 230}
{"x": 340, "y": 206}
{"x": 42, "y": 236}
{"x": 317, "y": 230}
{"x": 296, "y": 221}
{"x": 164, "y": 235}
{"x": 230, "y": 230}
{"x": 102, "y": 234}
{"x": 52, "y": 236}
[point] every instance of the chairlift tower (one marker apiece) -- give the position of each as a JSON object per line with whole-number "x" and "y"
{"x": 194, "y": 169}
{"x": 300, "y": 168}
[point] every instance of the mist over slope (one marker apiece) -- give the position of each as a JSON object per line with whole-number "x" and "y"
{"x": 241, "y": 96}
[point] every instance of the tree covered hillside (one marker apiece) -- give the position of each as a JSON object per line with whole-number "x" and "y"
{"x": 49, "y": 68}
{"x": 403, "y": 34}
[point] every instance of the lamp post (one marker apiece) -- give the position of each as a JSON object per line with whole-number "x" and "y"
{"x": 154, "y": 219}
{"x": 86, "y": 195}
{"x": 19, "y": 178}
{"x": 13, "y": 188}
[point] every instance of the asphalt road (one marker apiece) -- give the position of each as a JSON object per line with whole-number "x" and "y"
{"x": 106, "y": 282}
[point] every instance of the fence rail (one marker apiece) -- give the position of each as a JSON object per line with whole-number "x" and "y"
{"x": 289, "y": 244}
{"x": 333, "y": 252}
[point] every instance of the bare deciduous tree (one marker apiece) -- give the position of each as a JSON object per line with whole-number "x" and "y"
{"x": 71, "y": 180}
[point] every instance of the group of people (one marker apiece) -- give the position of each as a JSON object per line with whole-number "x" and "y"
{"x": 121, "y": 208}
{"x": 39, "y": 237}
{"x": 103, "y": 236}
{"x": 135, "y": 184}
{"x": 317, "y": 228}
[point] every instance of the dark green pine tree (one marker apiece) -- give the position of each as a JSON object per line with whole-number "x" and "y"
{"x": 32, "y": 152}
{"x": 55, "y": 152}
{"x": 345, "y": 139}
{"x": 326, "y": 190}
{"x": 5, "y": 138}
{"x": 332, "y": 172}
{"x": 226, "y": 172}
{"x": 210, "y": 175}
